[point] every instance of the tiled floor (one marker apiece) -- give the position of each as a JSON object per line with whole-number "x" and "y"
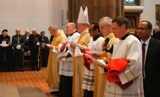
{"x": 27, "y": 78}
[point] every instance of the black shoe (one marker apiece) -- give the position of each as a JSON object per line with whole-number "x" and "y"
{"x": 32, "y": 69}
{"x": 15, "y": 70}
{"x": 55, "y": 93}
{"x": 22, "y": 70}
{"x": 37, "y": 69}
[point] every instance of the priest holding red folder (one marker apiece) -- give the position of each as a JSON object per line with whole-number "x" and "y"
{"x": 124, "y": 76}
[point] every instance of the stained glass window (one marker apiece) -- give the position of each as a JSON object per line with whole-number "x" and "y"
{"x": 131, "y": 2}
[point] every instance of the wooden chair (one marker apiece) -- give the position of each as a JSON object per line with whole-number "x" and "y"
{"x": 27, "y": 60}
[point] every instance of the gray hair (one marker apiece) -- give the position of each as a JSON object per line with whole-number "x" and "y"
{"x": 106, "y": 20}
{"x": 53, "y": 27}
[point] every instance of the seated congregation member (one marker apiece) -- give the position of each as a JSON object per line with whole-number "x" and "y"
{"x": 34, "y": 45}
{"x": 89, "y": 71}
{"x": 6, "y": 53}
{"x": 124, "y": 76}
{"x": 26, "y": 37}
{"x": 150, "y": 59}
{"x": 52, "y": 78}
{"x": 44, "y": 49}
{"x": 18, "y": 45}
{"x": 66, "y": 61}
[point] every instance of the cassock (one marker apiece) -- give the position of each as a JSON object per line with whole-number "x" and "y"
{"x": 66, "y": 66}
{"x": 78, "y": 70}
{"x": 127, "y": 48}
{"x": 100, "y": 74}
{"x": 52, "y": 78}
{"x": 89, "y": 75}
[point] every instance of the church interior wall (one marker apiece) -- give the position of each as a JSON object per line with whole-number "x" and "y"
{"x": 39, "y": 14}
{"x": 149, "y": 11}
{"x": 28, "y": 14}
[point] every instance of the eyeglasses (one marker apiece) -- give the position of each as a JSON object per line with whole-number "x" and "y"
{"x": 102, "y": 27}
{"x": 142, "y": 28}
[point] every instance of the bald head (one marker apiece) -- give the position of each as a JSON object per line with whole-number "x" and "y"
{"x": 27, "y": 32}
{"x": 34, "y": 31}
{"x": 71, "y": 27}
{"x": 18, "y": 31}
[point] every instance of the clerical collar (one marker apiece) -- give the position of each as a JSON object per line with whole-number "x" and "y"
{"x": 72, "y": 33}
{"x": 96, "y": 37}
{"x": 125, "y": 36}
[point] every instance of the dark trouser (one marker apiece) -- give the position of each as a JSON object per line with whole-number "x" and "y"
{"x": 3, "y": 65}
{"x": 151, "y": 89}
{"x": 5, "y": 59}
{"x": 88, "y": 93}
{"x": 145, "y": 88}
{"x": 44, "y": 55}
{"x": 65, "y": 86}
{"x": 18, "y": 59}
{"x": 3, "y": 62}
{"x": 34, "y": 58}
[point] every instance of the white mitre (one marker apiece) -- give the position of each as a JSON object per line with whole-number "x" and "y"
{"x": 83, "y": 16}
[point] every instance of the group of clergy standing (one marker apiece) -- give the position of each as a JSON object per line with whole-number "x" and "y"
{"x": 12, "y": 51}
{"x": 99, "y": 59}
{"x": 129, "y": 68}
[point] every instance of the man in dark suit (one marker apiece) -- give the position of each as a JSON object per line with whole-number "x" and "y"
{"x": 5, "y": 52}
{"x": 18, "y": 45}
{"x": 34, "y": 44}
{"x": 26, "y": 36}
{"x": 44, "y": 49}
{"x": 150, "y": 60}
